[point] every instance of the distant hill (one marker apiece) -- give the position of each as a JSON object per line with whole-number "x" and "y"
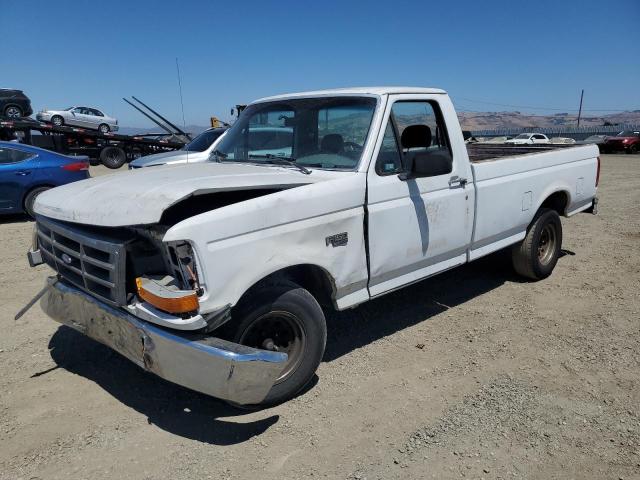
{"x": 496, "y": 120}
{"x": 486, "y": 121}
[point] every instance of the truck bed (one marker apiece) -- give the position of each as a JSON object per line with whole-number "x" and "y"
{"x": 479, "y": 152}
{"x": 510, "y": 189}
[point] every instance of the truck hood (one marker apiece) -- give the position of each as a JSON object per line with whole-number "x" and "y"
{"x": 140, "y": 197}
{"x": 176, "y": 156}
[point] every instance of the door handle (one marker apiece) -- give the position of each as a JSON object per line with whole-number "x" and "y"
{"x": 23, "y": 173}
{"x": 455, "y": 182}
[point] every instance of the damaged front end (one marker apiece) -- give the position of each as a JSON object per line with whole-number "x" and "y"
{"x": 127, "y": 289}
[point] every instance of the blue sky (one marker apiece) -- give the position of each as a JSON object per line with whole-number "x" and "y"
{"x": 536, "y": 54}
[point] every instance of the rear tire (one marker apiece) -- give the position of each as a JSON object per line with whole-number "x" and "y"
{"x": 13, "y": 111}
{"x": 57, "y": 120}
{"x": 30, "y": 199}
{"x": 113, "y": 157}
{"x": 104, "y": 128}
{"x": 536, "y": 256}
{"x": 283, "y": 317}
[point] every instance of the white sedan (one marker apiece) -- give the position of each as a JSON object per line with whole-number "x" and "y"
{"x": 80, "y": 117}
{"x": 528, "y": 139}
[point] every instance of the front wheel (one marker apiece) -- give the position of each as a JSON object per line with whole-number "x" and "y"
{"x": 104, "y": 128}
{"x": 57, "y": 120}
{"x": 13, "y": 111}
{"x": 284, "y": 318}
{"x": 536, "y": 256}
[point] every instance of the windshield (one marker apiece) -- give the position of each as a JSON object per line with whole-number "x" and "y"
{"x": 523, "y": 135}
{"x": 628, "y": 133}
{"x": 202, "y": 141}
{"x": 326, "y": 132}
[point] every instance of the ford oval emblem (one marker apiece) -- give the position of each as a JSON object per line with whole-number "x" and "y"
{"x": 66, "y": 259}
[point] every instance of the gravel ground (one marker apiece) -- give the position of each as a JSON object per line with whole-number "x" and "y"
{"x": 473, "y": 373}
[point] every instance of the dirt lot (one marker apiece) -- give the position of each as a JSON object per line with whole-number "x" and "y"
{"x": 473, "y": 373}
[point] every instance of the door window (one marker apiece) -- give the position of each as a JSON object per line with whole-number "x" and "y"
{"x": 9, "y": 155}
{"x": 416, "y": 129}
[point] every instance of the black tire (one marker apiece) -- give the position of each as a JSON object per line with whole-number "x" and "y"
{"x": 113, "y": 157}
{"x": 13, "y": 111}
{"x": 633, "y": 149}
{"x": 30, "y": 199}
{"x": 267, "y": 314}
{"x": 104, "y": 128}
{"x": 536, "y": 256}
{"x": 57, "y": 120}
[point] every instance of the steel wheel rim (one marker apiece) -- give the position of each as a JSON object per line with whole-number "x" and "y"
{"x": 278, "y": 331}
{"x": 13, "y": 112}
{"x": 547, "y": 244}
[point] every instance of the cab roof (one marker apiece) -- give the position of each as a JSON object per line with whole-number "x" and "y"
{"x": 355, "y": 91}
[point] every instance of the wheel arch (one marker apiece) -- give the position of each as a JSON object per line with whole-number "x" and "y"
{"x": 313, "y": 278}
{"x": 557, "y": 200}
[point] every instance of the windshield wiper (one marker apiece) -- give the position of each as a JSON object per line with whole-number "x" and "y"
{"x": 276, "y": 160}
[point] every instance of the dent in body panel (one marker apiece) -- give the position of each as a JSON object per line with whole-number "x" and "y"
{"x": 240, "y": 244}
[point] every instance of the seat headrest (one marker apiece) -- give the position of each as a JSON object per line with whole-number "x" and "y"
{"x": 332, "y": 143}
{"x": 416, "y": 136}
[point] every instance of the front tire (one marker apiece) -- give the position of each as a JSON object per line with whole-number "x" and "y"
{"x": 536, "y": 256}
{"x": 13, "y": 111}
{"x": 30, "y": 199}
{"x": 104, "y": 128}
{"x": 285, "y": 318}
{"x": 57, "y": 120}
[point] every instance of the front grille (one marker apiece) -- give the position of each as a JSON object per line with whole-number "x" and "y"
{"x": 91, "y": 261}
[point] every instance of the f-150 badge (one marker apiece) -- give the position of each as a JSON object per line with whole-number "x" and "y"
{"x": 338, "y": 240}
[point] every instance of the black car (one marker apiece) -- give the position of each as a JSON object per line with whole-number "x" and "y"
{"x": 14, "y": 103}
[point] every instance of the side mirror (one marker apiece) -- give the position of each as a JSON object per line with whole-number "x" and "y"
{"x": 427, "y": 164}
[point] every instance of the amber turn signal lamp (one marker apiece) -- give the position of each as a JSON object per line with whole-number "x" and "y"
{"x": 171, "y": 301}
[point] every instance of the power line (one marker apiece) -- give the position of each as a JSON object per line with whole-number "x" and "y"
{"x": 547, "y": 108}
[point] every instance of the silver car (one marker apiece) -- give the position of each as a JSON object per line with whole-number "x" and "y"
{"x": 85, "y": 117}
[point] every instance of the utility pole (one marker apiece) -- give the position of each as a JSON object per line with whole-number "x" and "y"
{"x": 580, "y": 111}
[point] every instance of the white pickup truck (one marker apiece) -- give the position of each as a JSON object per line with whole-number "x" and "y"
{"x": 215, "y": 275}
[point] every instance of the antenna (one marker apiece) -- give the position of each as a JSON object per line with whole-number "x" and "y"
{"x": 184, "y": 123}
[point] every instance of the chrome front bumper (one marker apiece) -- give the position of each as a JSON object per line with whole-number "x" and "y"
{"x": 212, "y": 366}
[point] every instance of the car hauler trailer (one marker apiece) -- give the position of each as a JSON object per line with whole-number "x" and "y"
{"x": 111, "y": 149}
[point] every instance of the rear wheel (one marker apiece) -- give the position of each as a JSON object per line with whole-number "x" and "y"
{"x": 30, "y": 199}
{"x": 104, "y": 128}
{"x": 13, "y": 111}
{"x": 536, "y": 256}
{"x": 113, "y": 157}
{"x": 284, "y": 318}
{"x": 57, "y": 120}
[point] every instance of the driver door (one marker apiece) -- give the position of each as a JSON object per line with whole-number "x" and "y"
{"x": 418, "y": 226}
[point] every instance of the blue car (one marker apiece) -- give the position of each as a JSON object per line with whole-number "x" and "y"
{"x": 27, "y": 171}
